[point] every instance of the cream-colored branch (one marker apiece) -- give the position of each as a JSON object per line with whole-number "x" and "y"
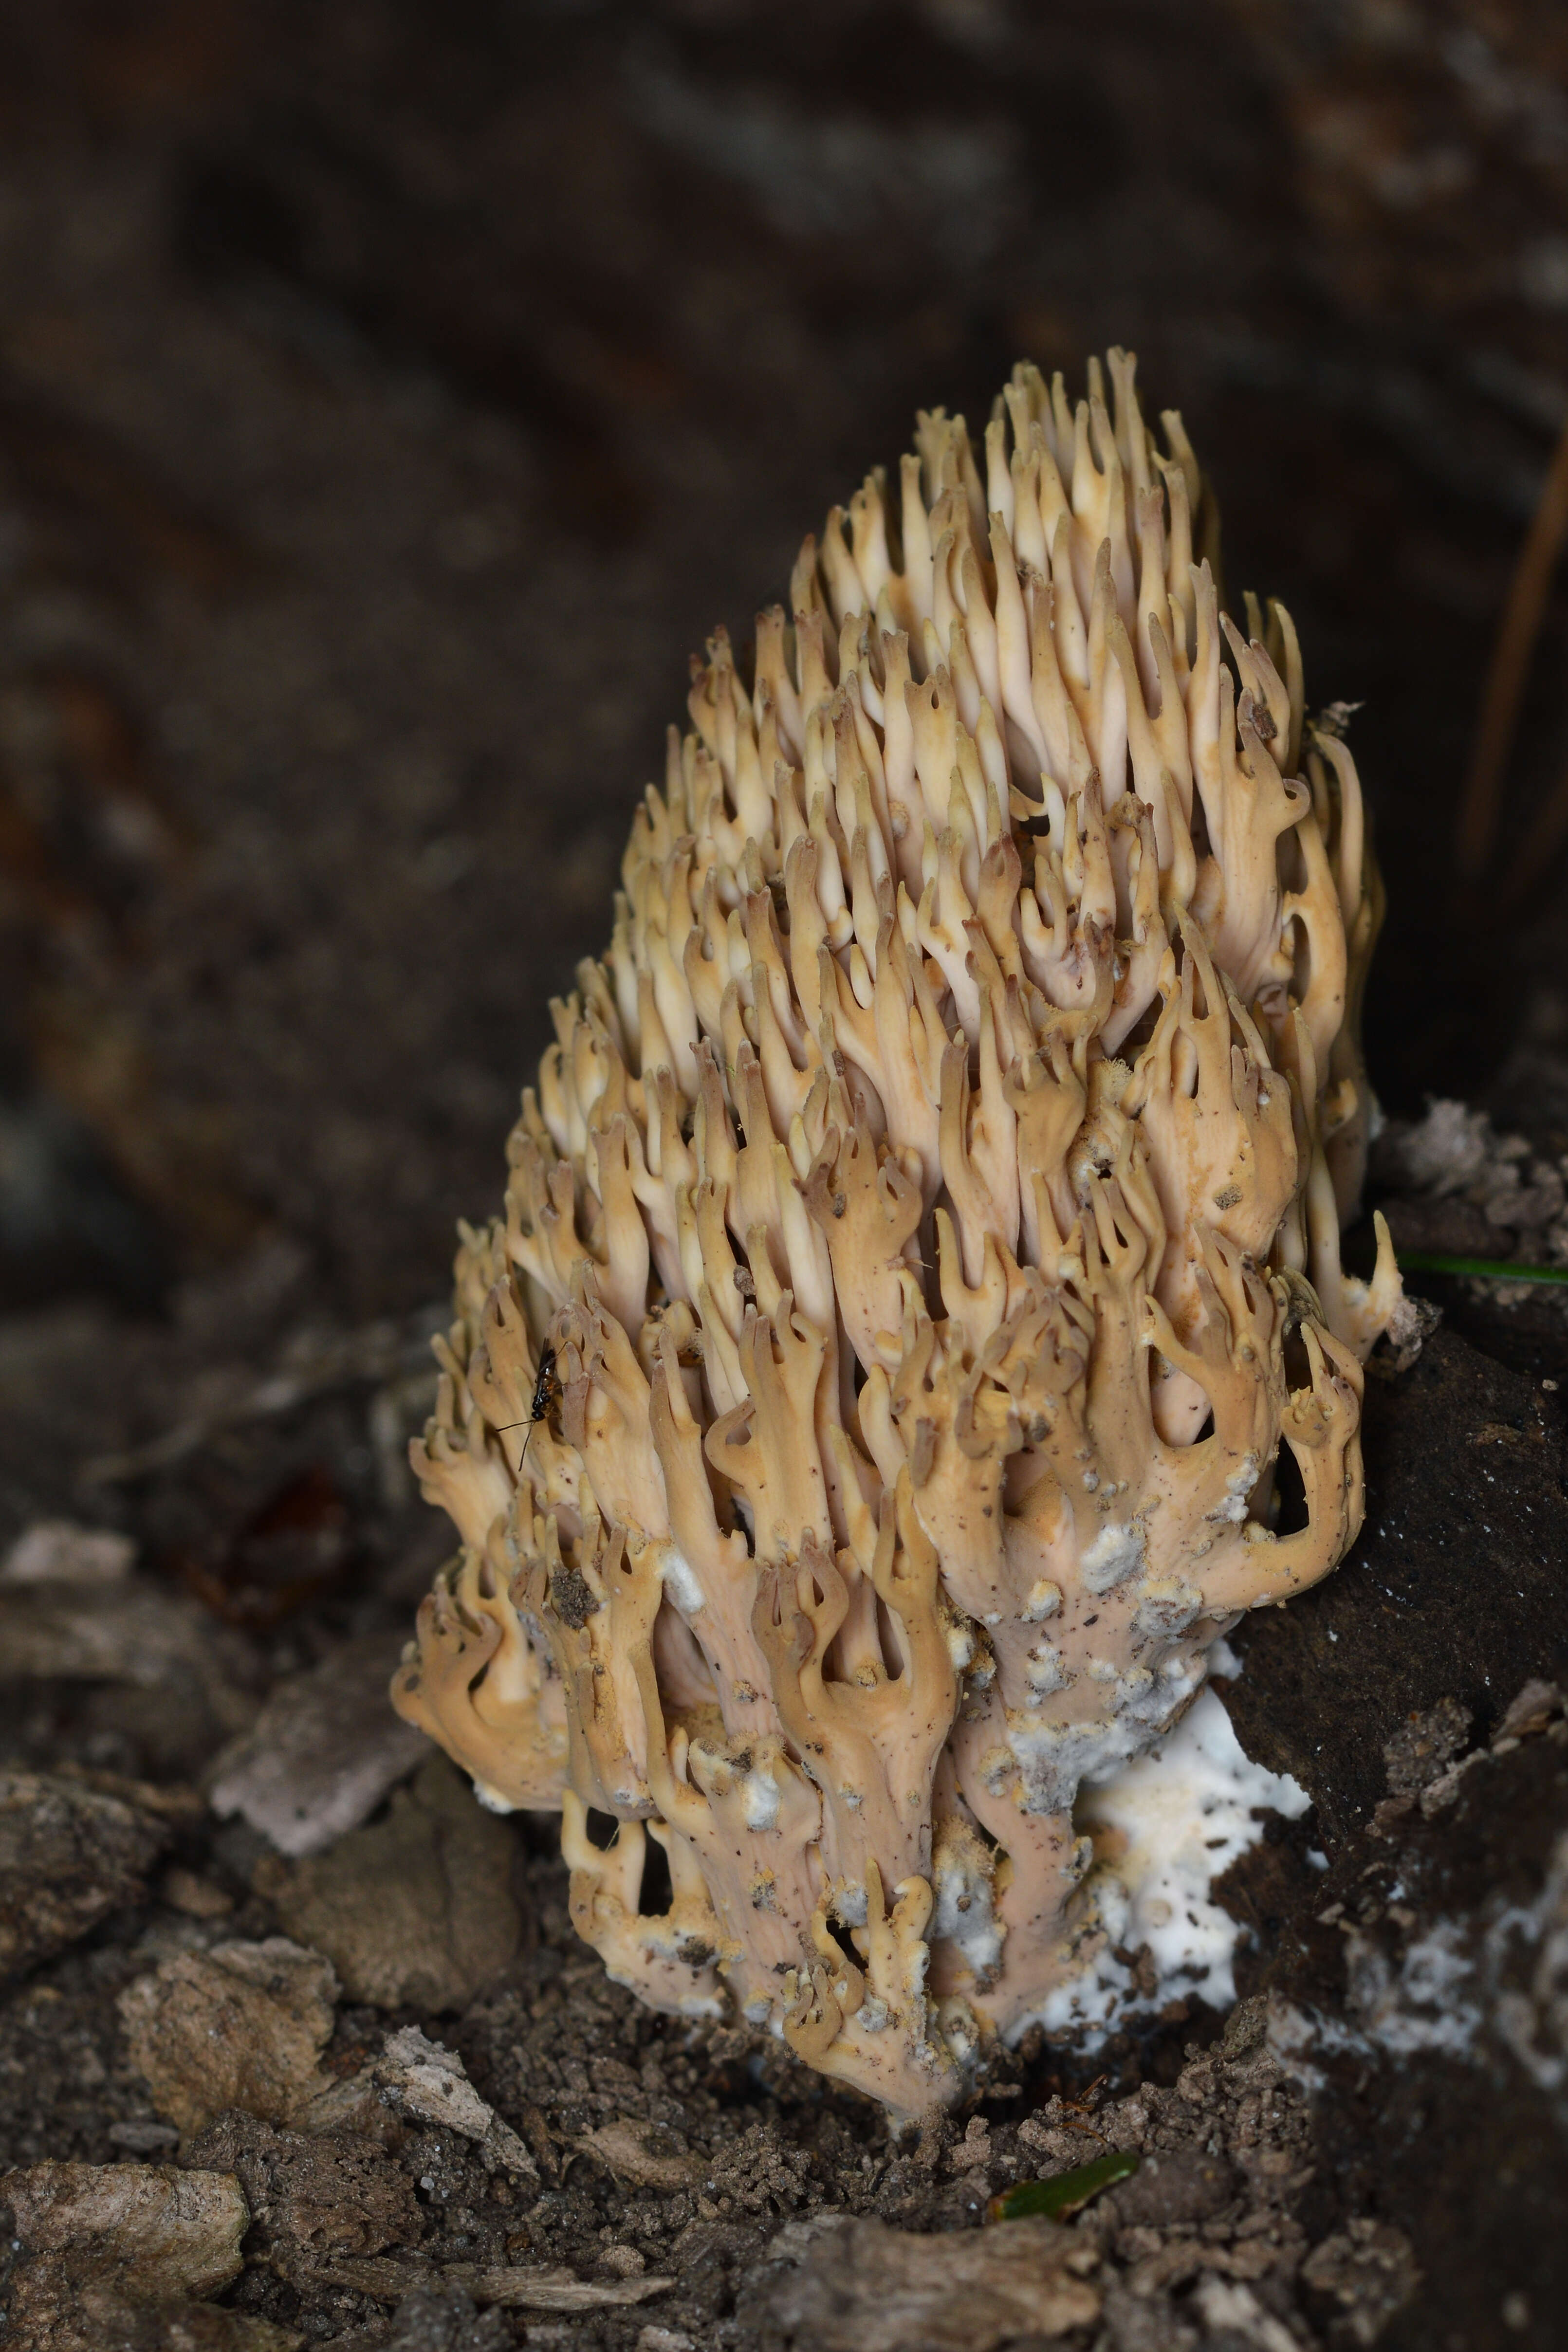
{"x": 869, "y": 1408}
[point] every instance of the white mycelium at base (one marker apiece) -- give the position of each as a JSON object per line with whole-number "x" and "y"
{"x": 1164, "y": 1828}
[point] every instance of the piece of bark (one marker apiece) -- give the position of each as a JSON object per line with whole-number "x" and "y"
{"x": 69, "y": 1856}
{"x": 323, "y": 1752}
{"x": 423, "y": 2079}
{"x": 60, "y": 1551}
{"x": 313, "y": 2201}
{"x": 113, "y": 2254}
{"x": 417, "y": 1911}
{"x": 242, "y": 2025}
{"x": 863, "y": 2287}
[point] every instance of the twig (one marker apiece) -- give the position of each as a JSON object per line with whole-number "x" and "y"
{"x": 1479, "y": 806}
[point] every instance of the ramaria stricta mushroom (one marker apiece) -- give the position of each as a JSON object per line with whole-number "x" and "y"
{"x": 921, "y": 1242}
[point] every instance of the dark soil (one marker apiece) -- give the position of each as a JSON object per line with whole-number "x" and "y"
{"x": 390, "y": 397}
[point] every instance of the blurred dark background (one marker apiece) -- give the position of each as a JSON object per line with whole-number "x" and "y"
{"x": 393, "y": 394}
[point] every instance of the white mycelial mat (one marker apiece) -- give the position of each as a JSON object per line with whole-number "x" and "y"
{"x": 1164, "y": 1828}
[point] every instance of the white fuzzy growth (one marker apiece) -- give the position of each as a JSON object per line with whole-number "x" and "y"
{"x": 1044, "y": 1671}
{"x": 679, "y": 1580}
{"x": 1169, "y": 1824}
{"x": 492, "y": 1799}
{"x": 960, "y": 1634}
{"x": 1238, "y": 1490}
{"x": 961, "y": 1913}
{"x": 691, "y": 2004}
{"x": 760, "y": 1798}
{"x": 1429, "y": 2003}
{"x": 1045, "y": 1599}
{"x": 1056, "y": 1759}
{"x": 1167, "y": 1605}
{"x": 960, "y": 2028}
{"x": 1116, "y": 1551}
{"x": 1186, "y": 1811}
{"x": 1178, "y": 1816}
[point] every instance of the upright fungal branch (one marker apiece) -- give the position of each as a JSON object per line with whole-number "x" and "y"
{"x": 933, "y": 1204}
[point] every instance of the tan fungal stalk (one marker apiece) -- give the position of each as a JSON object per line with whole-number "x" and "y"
{"x": 930, "y": 1204}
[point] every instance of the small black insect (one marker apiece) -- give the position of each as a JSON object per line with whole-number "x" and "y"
{"x": 546, "y": 1396}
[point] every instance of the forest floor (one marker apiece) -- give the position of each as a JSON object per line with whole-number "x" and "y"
{"x": 389, "y": 398}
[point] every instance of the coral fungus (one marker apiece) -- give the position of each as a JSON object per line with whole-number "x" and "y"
{"x": 933, "y": 1201}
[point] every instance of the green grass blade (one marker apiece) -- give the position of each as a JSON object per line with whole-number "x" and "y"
{"x": 1481, "y": 1269}
{"x": 1064, "y": 2192}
